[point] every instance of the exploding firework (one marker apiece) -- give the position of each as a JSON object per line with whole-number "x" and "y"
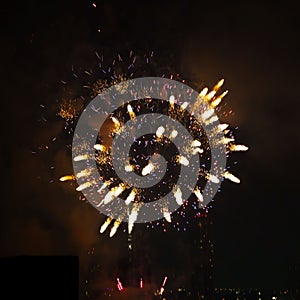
{"x": 148, "y": 153}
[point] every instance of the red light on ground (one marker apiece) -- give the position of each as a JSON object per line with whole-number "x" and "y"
{"x": 119, "y": 285}
{"x": 141, "y": 283}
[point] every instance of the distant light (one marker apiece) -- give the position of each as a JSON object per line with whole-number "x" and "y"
{"x": 119, "y": 285}
{"x": 165, "y": 280}
{"x": 161, "y": 291}
{"x": 141, "y": 283}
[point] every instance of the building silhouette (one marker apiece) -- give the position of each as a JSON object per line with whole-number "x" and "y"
{"x": 202, "y": 275}
{"x": 39, "y": 277}
{"x": 294, "y": 279}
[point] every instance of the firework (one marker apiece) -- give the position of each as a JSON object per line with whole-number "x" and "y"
{"x": 162, "y": 288}
{"x": 144, "y": 162}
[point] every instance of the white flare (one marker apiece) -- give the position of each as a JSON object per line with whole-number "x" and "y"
{"x": 197, "y": 150}
{"x": 178, "y": 196}
{"x": 130, "y": 112}
{"x": 130, "y": 197}
{"x": 84, "y": 186}
{"x": 203, "y": 92}
{"x": 131, "y": 219}
{"x": 238, "y": 148}
{"x": 105, "y": 224}
{"x": 160, "y": 131}
{"x": 183, "y": 160}
{"x": 81, "y": 157}
{"x": 128, "y": 168}
{"x": 213, "y": 178}
{"x": 115, "y": 228}
{"x": 173, "y": 134}
{"x": 148, "y": 169}
{"x": 223, "y": 126}
{"x": 198, "y": 194}
{"x": 196, "y": 143}
{"x": 99, "y": 147}
{"x": 231, "y": 177}
{"x": 208, "y": 113}
{"x": 172, "y": 100}
{"x": 167, "y": 215}
{"x": 104, "y": 185}
{"x": 184, "y": 105}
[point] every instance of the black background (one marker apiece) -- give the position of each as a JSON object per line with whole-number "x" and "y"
{"x": 254, "y": 46}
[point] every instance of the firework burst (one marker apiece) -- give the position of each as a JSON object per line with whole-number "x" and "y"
{"x": 149, "y": 152}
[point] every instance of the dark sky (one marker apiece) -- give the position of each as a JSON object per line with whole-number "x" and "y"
{"x": 254, "y": 46}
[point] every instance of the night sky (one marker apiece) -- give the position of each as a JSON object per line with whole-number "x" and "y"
{"x": 254, "y": 46}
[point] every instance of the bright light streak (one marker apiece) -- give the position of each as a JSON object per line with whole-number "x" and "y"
{"x": 130, "y": 112}
{"x": 207, "y": 114}
{"x": 218, "y": 100}
{"x": 184, "y": 105}
{"x": 129, "y": 168}
{"x": 132, "y": 218}
{"x": 99, "y": 147}
{"x": 163, "y": 286}
{"x": 119, "y": 285}
{"x": 116, "y": 123}
{"x": 178, "y": 196}
{"x": 212, "y": 120}
{"x": 203, "y": 92}
{"x": 213, "y": 178}
{"x": 210, "y": 95}
{"x": 238, "y": 147}
{"x": 141, "y": 283}
{"x": 105, "y": 224}
{"x": 113, "y": 193}
{"x": 183, "y": 160}
{"x": 165, "y": 280}
{"x": 226, "y": 140}
{"x": 197, "y": 150}
{"x": 130, "y": 197}
{"x": 173, "y": 134}
{"x": 67, "y": 177}
{"x": 218, "y": 85}
{"x": 148, "y": 169}
{"x": 198, "y": 194}
{"x": 223, "y": 126}
{"x": 172, "y": 100}
{"x": 84, "y": 186}
{"x": 84, "y": 173}
{"x": 160, "y": 131}
{"x": 167, "y": 214}
{"x": 107, "y": 199}
{"x": 113, "y": 231}
{"x": 118, "y": 189}
{"x": 81, "y": 157}
{"x": 196, "y": 143}
{"x": 231, "y": 177}
{"x": 104, "y": 185}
